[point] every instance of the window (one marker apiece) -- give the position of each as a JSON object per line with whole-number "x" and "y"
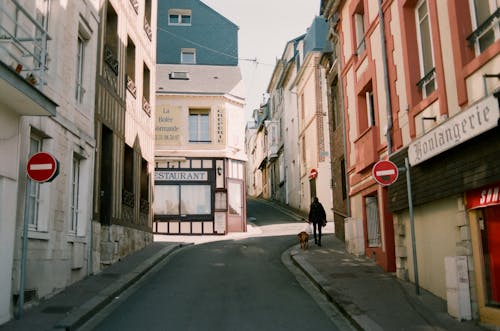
{"x": 188, "y": 56}
{"x": 183, "y": 200}
{"x": 372, "y": 221}
{"x": 179, "y": 17}
{"x": 33, "y": 189}
{"x": 199, "y": 126}
{"x": 360, "y": 32}
{"x": 130, "y": 67}
{"x": 337, "y": 112}
{"x": 75, "y": 194}
{"x": 366, "y": 109}
{"x": 427, "y": 83}
{"x": 80, "y": 52}
{"x": 485, "y": 23}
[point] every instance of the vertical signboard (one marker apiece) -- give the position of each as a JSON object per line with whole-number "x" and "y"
{"x": 168, "y": 125}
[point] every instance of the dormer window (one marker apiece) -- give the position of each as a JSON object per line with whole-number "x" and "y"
{"x": 179, "y": 17}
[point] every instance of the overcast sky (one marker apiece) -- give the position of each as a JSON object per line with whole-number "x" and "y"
{"x": 265, "y": 27}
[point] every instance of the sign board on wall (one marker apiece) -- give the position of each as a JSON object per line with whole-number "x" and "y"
{"x": 181, "y": 175}
{"x": 484, "y": 196}
{"x": 467, "y": 124}
{"x": 168, "y": 125}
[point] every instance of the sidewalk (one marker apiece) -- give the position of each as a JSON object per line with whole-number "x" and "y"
{"x": 369, "y": 297}
{"x": 80, "y": 301}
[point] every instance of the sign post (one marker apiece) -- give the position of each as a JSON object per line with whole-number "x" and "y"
{"x": 42, "y": 167}
{"x": 386, "y": 173}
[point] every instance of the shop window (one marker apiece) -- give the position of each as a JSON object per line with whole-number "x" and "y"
{"x": 372, "y": 221}
{"x": 490, "y": 234}
{"x": 485, "y": 16}
{"x": 235, "y": 198}
{"x": 75, "y": 195}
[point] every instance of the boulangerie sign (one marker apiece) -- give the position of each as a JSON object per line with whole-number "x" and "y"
{"x": 467, "y": 124}
{"x": 484, "y": 196}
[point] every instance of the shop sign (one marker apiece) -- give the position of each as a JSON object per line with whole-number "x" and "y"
{"x": 484, "y": 196}
{"x": 181, "y": 175}
{"x": 467, "y": 124}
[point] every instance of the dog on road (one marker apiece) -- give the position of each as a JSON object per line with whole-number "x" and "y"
{"x": 303, "y": 239}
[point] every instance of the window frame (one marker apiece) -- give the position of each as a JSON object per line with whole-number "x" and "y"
{"x": 479, "y": 31}
{"x": 180, "y": 14}
{"x": 188, "y": 51}
{"x": 32, "y": 209}
{"x": 80, "y": 62}
{"x": 76, "y": 167}
{"x": 427, "y": 84}
{"x": 199, "y": 114}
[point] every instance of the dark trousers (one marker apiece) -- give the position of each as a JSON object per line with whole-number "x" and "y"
{"x": 317, "y": 225}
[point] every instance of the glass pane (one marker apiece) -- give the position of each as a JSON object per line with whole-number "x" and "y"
{"x": 193, "y": 127}
{"x": 174, "y": 19}
{"x": 204, "y": 134}
{"x": 186, "y": 19}
{"x": 166, "y": 200}
{"x": 486, "y": 40}
{"x": 482, "y": 10}
{"x": 425, "y": 34}
{"x": 196, "y": 200}
{"x": 422, "y": 10}
{"x": 187, "y": 57}
{"x": 234, "y": 197}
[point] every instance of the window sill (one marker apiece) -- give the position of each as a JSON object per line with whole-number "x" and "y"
{"x": 73, "y": 238}
{"x": 38, "y": 235}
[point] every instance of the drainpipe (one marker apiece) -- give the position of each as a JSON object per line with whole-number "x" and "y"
{"x": 344, "y": 131}
{"x": 386, "y": 80}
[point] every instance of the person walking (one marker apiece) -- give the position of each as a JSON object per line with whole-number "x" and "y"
{"x": 317, "y": 216}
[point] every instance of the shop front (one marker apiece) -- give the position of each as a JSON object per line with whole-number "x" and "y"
{"x": 483, "y": 206}
{"x": 197, "y": 196}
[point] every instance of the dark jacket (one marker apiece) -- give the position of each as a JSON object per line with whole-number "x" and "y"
{"x": 317, "y": 213}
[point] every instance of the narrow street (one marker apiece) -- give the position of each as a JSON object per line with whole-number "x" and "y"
{"x": 224, "y": 285}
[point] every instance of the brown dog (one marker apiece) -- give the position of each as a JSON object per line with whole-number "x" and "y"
{"x": 303, "y": 239}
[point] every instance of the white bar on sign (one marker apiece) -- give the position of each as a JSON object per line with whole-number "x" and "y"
{"x": 46, "y": 166}
{"x": 385, "y": 172}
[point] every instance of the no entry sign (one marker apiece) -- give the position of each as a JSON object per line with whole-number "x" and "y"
{"x": 385, "y": 172}
{"x": 42, "y": 167}
{"x": 313, "y": 174}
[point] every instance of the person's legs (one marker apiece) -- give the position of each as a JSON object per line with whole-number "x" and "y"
{"x": 314, "y": 232}
{"x": 319, "y": 234}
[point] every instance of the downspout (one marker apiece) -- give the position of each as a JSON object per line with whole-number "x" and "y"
{"x": 344, "y": 131}
{"x": 386, "y": 79}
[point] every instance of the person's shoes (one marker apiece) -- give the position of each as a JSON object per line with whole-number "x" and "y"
{"x": 315, "y": 241}
{"x": 319, "y": 244}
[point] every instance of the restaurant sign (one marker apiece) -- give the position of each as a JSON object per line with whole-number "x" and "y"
{"x": 168, "y": 175}
{"x": 467, "y": 124}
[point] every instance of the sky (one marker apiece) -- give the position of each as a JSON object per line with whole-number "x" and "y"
{"x": 265, "y": 26}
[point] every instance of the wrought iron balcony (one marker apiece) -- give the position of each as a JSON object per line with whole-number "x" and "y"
{"x": 146, "y": 106}
{"x": 135, "y": 5}
{"x": 131, "y": 86}
{"x": 111, "y": 59}
{"x": 23, "y": 42}
{"x": 147, "y": 28}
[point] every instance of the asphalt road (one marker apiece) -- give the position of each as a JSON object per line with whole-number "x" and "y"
{"x": 224, "y": 285}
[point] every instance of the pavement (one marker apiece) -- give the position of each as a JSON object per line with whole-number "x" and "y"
{"x": 368, "y": 297}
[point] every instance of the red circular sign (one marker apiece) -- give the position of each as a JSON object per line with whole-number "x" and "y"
{"x": 42, "y": 167}
{"x": 385, "y": 172}
{"x": 313, "y": 174}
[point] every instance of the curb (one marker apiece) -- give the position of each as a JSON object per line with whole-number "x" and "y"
{"x": 83, "y": 313}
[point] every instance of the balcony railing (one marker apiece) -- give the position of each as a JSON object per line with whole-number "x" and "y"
{"x": 135, "y": 5}
{"x": 146, "y": 106}
{"x": 23, "y": 42}
{"x": 131, "y": 86}
{"x": 110, "y": 59}
{"x": 147, "y": 28}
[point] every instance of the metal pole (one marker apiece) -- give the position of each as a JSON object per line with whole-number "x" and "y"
{"x": 412, "y": 226}
{"x": 24, "y": 252}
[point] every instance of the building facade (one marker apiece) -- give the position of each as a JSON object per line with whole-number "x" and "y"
{"x": 124, "y": 130}
{"x": 47, "y": 105}
{"x": 200, "y": 169}
{"x": 420, "y": 87}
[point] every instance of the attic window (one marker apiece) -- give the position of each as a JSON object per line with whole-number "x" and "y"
{"x": 179, "y": 75}
{"x": 179, "y": 17}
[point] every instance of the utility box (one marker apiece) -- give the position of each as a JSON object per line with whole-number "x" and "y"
{"x": 457, "y": 287}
